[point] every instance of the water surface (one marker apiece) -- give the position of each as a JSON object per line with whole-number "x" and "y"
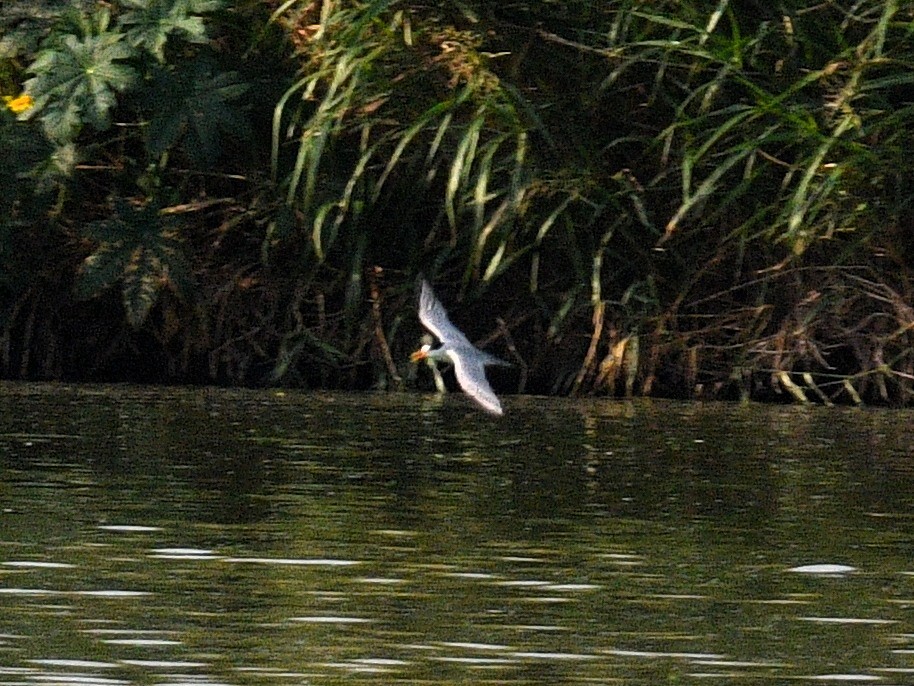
{"x": 262, "y": 537}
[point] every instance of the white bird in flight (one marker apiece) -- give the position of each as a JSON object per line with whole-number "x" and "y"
{"x": 468, "y": 360}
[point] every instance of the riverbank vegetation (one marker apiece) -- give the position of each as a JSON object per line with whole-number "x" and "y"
{"x": 652, "y": 198}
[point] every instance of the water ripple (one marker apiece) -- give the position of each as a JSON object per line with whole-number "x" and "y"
{"x": 316, "y": 562}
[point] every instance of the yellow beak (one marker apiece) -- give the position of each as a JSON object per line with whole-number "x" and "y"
{"x": 418, "y": 356}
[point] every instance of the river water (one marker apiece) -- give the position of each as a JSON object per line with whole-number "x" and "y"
{"x": 203, "y": 536}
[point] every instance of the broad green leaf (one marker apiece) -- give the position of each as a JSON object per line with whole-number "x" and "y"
{"x": 76, "y": 81}
{"x": 193, "y": 104}
{"x": 137, "y": 247}
{"x": 149, "y": 23}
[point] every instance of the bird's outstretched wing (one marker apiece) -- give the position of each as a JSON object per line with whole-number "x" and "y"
{"x": 434, "y": 317}
{"x": 471, "y": 375}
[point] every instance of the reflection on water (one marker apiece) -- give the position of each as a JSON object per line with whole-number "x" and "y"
{"x": 228, "y": 537}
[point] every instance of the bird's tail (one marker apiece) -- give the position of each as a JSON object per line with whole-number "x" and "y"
{"x": 491, "y": 361}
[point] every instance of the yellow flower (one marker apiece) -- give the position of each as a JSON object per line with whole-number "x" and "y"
{"x": 19, "y": 104}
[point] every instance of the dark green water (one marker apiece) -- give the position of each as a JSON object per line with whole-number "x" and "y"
{"x": 171, "y": 536}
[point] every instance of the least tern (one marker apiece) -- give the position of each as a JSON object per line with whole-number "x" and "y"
{"x": 469, "y": 361}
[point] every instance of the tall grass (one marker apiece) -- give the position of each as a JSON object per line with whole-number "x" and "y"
{"x": 669, "y": 197}
{"x": 399, "y": 146}
{"x": 777, "y": 144}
